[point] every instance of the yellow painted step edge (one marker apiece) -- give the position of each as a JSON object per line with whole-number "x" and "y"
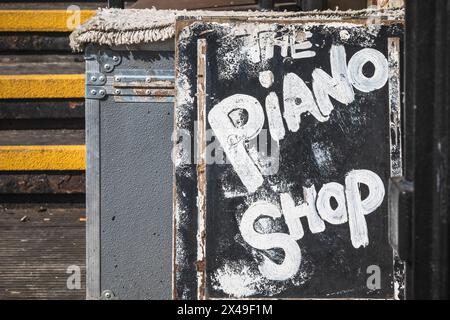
{"x": 42, "y": 20}
{"x": 54, "y": 157}
{"x": 42, "y": 86}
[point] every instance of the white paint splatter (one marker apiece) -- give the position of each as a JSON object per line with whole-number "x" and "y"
{"x": 266, "y": 78}
{"x": 322, "y": 156}
{"x": 238, "y": 279}
{"x": 344, "y": 34}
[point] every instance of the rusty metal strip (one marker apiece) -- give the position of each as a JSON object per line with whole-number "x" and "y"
{"x": 201, "y": 167}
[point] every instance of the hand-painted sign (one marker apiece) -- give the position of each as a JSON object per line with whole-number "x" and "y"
{"x": 286, "y": 136}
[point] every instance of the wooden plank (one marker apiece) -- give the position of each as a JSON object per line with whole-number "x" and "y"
{"x": 43, "y": 67}
{"x": 187, "y": 4}
{"x": 346, "y": 4}
{"x": 384, "y": 4}
{"x": 41, "y": 109}
{"x": 42, "y": 183}
{"x": 35, "y": 42}
{"x": 289, "y": 6}
{"x": 48, "y": 183}
{"x": 43, "y": 124}
{"x": 42, "y": 86}
{"x": 240, "y": 5}
{"x": 36, "y": 251}
{"x": 51, "y": 5}
{"x": 52, "y": 1}
{"x": 41, "y": 137}
{"x": 30, "y": 58}
{"x": 42, "y": 20}
{"x": 58, "y": 157}
{"x": 41, "y": 64}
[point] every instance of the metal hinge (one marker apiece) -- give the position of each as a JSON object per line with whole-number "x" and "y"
{"x": 95, "y": 85}
{"x": 132, "y": 86}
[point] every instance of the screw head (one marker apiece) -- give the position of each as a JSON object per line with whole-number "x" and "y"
{"x": 108, "y": 295}
{"x": 93, "y": 92}
{"x": 117, "y": 79}
{"x": 115, "y": 58}
{"x": 148, "y": 79}
{"x": 93, "y": 78}
{"x": 101, "y": 78}
{"x": 147, "y": 91}
{"x": 107, "y": 66}
{"x": 117, "y": 91}
{"x": 101, "y": 92}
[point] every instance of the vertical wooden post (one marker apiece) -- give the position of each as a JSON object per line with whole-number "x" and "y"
{"x": 427, "y": 145}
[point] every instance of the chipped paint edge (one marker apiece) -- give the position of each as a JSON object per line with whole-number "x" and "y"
{"x": 394, "y": 107}
{"x": 201, "y": 169}
{"x": 396, "y": 161}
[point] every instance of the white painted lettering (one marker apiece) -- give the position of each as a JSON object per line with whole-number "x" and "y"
{"x": 274, "y": 118}
{"x": 292, "y": 255}
{"x": 232, "y": 138}
{"x": 337, "y": 86}
{"x": 298, "y": 99}
{"x": 355, "y": 70}
{"x": 292, "y": 213}
{"x": 358, "y": 207}
{"x": 328, "y": 191}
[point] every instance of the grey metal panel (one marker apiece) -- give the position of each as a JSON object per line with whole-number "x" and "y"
{"x": 136, "y": 190}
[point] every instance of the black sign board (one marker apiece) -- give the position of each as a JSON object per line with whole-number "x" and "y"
{"x": 287, "y": 133}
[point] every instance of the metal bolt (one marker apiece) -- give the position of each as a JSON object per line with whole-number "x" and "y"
{"x": 107, "y": 66}
{"x": 108, "y": 295}
{"x": 117, "y": 79}
{"x": 148, "y": 79}
{"x": 93, "y": 78}
{"x": 115, "y": 58}
{"x": 101, "y": 78}
{"x": 101, "y": 92}
{"x": 147, "y": 91}
{"x": 117, "y": 91}
{"x": 93, "y": 92}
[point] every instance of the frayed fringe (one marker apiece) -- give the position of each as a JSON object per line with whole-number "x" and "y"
{"x": 118, "y": 38}
{"x": 116, "y": 27}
